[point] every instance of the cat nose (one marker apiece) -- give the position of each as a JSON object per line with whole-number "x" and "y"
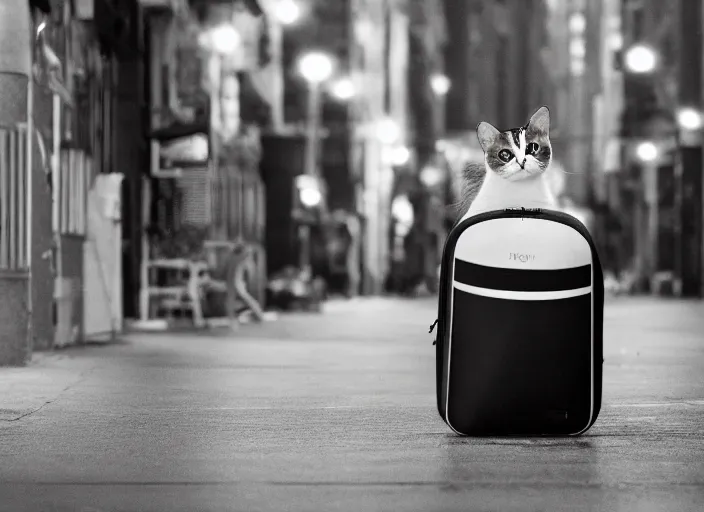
{"x": 523, "y": 164}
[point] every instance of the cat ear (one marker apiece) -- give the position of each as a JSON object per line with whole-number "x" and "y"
{"x": 486, "y": 133}
{"x": 541, "y": 120}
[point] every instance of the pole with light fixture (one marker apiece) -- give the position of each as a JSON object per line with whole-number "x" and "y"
{"x": 440, "y": 84}
{"x": 343, "y": 89}
{"x": 641, "y": 59}
{"x": 316, "y": 68}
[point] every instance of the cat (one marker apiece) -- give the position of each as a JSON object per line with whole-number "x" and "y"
{"x": 514, "y": 170}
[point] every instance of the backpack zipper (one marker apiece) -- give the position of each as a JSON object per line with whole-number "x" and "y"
{"x": 523, "y": 209}
{"x": 432, "y": 327}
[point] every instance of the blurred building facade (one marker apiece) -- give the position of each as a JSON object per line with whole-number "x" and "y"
{"x": 149, "y": 130}
{"x": 502, "y": 60}
{"x": 422, "y": 181}
{"x": 95, "y": 82}
{"x": 585, "y": 44}
{"x": 497, "y": 61}
{"x": 16, "y": 34}
{"x": 58, "y": 135}
{"x": 380, "y": 58}
{"x": 662, "y": 188}
{"x": 372, "y": 44}
{"x": 607, "y": 106}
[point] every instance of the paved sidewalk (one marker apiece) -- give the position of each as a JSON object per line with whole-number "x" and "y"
{"x": 26, "y": 390}
{"x": 337, "y": 412}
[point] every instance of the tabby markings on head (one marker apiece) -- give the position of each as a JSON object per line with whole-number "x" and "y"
{"x": 519, "y": 140}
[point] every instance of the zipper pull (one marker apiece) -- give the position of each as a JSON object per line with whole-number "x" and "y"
{"x": 432, "y": 327}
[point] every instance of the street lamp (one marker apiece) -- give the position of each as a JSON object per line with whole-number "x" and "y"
{"x": 641, "y": 59}
{"x": 307, "y": 203}
{"x": 287, "y": 12}
{"x": 308, "y": 191}
{"x": 316, "y": 67}
{"x": 402, "y": 214}
{"x": 402, "y": 210}
{"x": 577, "y": 23}
{"x": 223, "y": 39}
{"x": 578, "y": 49}
{"x": 400, "y": 155}
{"x": 396, "y": 155}
{"x": 431, "y": 176}
{"x": 343, "y": 89}
{"x": 689, "y": 118}
{"x": 388, "y": 131}
{"x": 577, "y": 44}
{"x": 310, "y": 197}
{"x": 616, "y": 41}
{"x": 647, "y": 151}
{"x": 440, "y": 84}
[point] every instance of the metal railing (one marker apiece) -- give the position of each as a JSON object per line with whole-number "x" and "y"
{"x": 14, "y": 198}
{"x": 69, "y": 197}
{"x": 71, "y": 192}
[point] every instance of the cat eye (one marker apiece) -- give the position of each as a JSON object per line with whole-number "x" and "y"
{"x": 533, "y": 148}
{"x": 505, "y": 155}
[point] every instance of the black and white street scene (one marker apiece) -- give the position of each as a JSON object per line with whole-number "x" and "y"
{"x": 222, "y": 229}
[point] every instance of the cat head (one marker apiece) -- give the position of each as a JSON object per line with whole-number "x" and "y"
{"x": 519, "y": 153}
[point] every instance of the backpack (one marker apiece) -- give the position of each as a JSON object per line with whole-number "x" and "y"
{"x": 519, "y": 341}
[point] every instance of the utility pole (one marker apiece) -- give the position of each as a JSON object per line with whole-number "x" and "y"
{"x": 689, "y": 171}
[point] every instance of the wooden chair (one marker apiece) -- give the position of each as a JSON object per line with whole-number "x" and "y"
{"x": 182, "y": 295}
{"x": 186, "y": 290}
